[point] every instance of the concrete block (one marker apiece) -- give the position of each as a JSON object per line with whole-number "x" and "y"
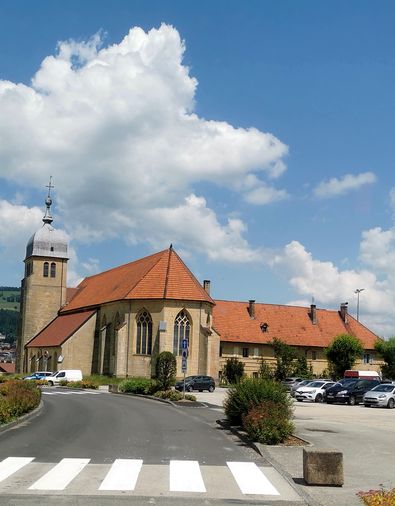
{"x": 323, "y": 467}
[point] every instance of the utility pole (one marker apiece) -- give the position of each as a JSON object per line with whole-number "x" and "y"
{"x": 358, "y": 291}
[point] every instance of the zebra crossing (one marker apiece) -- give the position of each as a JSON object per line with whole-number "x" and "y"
{"x": 79, "y": 476}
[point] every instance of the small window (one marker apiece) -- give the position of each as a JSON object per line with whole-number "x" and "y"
{"x": 220, "y": 351}
{"x": 53, "y": 270}
{"x": 51, "y": 248}
{"x": 367, "y": 358}
{"x": 313, "y": 355}
{"x": 256, "y": 352}
{"x": 45, "y": 269}
{"x": 245, "y": 352}
{"x": 255, "y": 374}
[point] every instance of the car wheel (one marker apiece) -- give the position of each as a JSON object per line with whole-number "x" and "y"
{"x": 319, "y": 398}
{"x": 391, "y": 404}
{"x": 211, "y": 389}
{"x": 50, "y": 383}
{"x": 352, "y": 401}
{"x": 190, "y": 388}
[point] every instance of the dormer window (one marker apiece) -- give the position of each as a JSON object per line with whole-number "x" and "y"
{"x": 52, "y": 248}
{"x": 264, "y": 327}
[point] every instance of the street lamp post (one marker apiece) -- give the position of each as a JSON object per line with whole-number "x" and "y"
{"x": 358, "y": 291}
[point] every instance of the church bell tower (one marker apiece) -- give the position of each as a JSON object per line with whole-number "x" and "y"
{"x": 43, "y": 290}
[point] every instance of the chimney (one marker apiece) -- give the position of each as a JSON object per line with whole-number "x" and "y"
{"x": 206, "y": 285}
{"x": 313, "y": 314}
{"x": 251, "y": 309}
{"x": 343, "y": 311}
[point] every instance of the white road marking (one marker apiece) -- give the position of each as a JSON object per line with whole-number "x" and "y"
{"x": 122, "y": 475}
{"x": 185, "y": 476}
{"x": 61, "y": 475}
{"x": 250, "y": 479}
{"x": 11, "y": 465}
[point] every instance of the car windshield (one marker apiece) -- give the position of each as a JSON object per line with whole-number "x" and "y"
{"x": 316, "y": 384}
{"x": 384, "y": 388}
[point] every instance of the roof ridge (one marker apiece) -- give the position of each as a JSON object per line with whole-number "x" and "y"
{"x": 160, "y": 256}
{"x": 120, "y": 266}
{"x": 167, "y": 272}
{"x": 193, "y": 278}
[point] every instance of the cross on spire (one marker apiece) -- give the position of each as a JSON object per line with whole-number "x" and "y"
{"x": 48, "y": 202}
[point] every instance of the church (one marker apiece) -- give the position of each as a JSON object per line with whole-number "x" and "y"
{"x": 118, "y": 321}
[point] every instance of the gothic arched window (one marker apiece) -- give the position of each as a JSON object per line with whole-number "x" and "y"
{"x": 53, "y": 270}
{"x": 182, "y": 330}
{"x": 144, "y": 333}
{"x": 45, "y": 269}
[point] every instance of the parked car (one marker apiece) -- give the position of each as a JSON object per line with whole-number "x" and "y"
{"x": 196, "y": 383}
{"x": 382, "y": 395}
{"x": 64, "y": 375}
{"x": 314, "y": 391}
{"x": 350, "y": 392}
{"x": 298, "y": 385}
{"x": 290, "y": 382}
{"x": 39, "y": 375}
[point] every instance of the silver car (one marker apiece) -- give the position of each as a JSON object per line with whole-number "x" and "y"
{"x": 383, "y": 395}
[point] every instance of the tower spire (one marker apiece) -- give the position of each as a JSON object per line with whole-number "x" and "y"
{"x": 48, "y": 202}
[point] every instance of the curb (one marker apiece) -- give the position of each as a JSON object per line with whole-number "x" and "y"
{"x": 261, "y": 449}
{"x": 27, "y": 416}
{"x": 153, "y": 398}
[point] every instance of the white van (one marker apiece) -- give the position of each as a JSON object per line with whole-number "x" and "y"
{"x": 64, "y": 375}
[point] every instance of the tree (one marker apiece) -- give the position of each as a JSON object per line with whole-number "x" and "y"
{"x": 265, "y": 371}
{"x": 302, "y": 369}
{"x": 166, "y": 369}
{"x": 343, "y": 352}
{"x": 233, "y": 370}
{"x": 387, "y": 351}
{"x": 285, "y": 358}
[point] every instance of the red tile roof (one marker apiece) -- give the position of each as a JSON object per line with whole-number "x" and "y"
{"x": 288, "y": 323}
{"x": 160, "y": 276}
{"x": 60, "y": 329}
{"x": 7, "y": 367}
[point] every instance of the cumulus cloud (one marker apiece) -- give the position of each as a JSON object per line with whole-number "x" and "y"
{"x": 350, "y": 182}
{"x": 330, "y": 286}
{"x": 265, "y": 194}
{"x": 116, "y": 128}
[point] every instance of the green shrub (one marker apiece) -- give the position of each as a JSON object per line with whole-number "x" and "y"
{"x": 144, "y": 386}
{"x": 233, "y": 370}
{"x": 190, "y": 397}
{"x": 251, "y": 392}
{"x": 82, "y": 384}
{"x": 269, "y": 422}
{"x": 63, "y": 383}
{"x": 166, "y": 369}
{"x": 172, "y": 395}
{"x": 17, "y": 398}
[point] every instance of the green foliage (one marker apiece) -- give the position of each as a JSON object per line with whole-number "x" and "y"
{"x": 387, "y": 351}
{"x": 265, "y": 371}
{"x": 99, "y": 379}
{"x": 9, "y": 319}
{"x": 302, "y": 369}
{"x": 17, "y": 398}
{"x": 252, "y": 392}
{"x": 166, "y": 369}
{"x": 190, "y": 397}
{"x": 82, "y": 384}
{"x": 269, "y": 422}
{"x": 343, "y": 352}
{"x": 171, "y": 395}
{"x": 285, "y": 358}
{"x": 144, "y": 386}
{"x": 233, "y": 370}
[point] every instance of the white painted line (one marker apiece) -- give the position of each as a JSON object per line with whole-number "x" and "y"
{"x": 122, "y": 475}
{"x": 61, "y": 475}
{"x": 48, "y": 393}
{"x": 63, "y": 393}
{"x": 251, "y": 479}
{"x": 11, "y": 465}
{"x": 185, "y": 476}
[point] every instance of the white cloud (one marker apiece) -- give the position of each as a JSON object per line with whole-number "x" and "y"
{"x": 115, "y": 126}
{"x": 330, "y": 286}
{"x": 392, "y": 199}
{"x": 350, "y": 182}
{"x": 265, "y": 194}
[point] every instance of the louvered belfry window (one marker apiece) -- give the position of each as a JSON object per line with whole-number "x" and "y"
{"x": 144, "y": 334}
{"x": 182, "y": 330}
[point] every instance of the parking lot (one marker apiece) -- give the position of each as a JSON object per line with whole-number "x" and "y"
{"x": 366, "y": 436}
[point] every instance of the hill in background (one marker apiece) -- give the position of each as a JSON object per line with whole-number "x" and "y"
{"x": 10, "y": 297}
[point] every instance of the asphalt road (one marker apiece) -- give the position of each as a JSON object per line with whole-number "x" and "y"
{"x": 178, "y": 455}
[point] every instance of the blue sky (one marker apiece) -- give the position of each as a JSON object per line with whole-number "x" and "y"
{"x": 261, "y": 146}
